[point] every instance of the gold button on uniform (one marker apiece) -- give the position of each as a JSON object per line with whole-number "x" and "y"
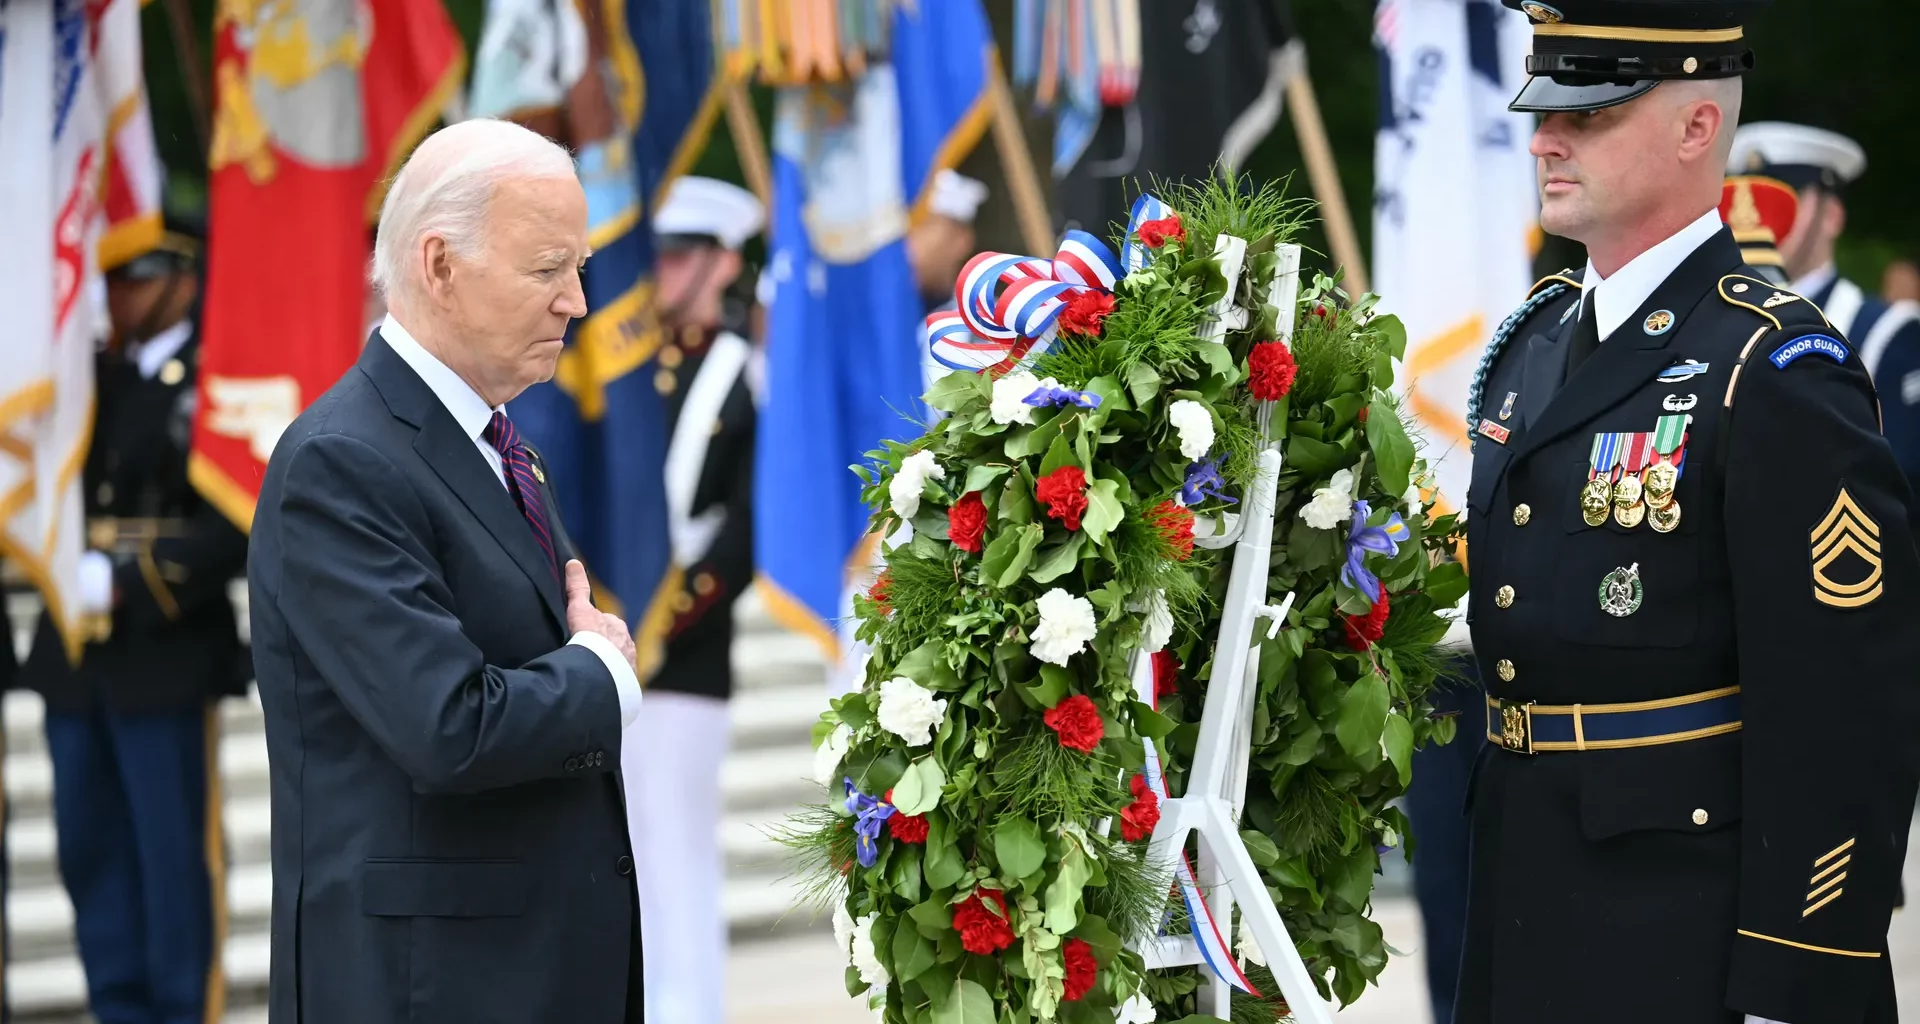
{"x": 1504, "y": 669}
{"x": 1699, "y": 816}
{"x": 665, "y": 381}
{"x": 1521, "y": 514}
{"x": 173, "y": 372}
{"x": 703, "y": 584}
{"x": 1503, "y": 598}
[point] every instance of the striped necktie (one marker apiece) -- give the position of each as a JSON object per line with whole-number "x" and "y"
{"x": 520, "y": 481}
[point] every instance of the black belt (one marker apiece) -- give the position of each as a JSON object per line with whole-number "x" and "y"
{"x": 1541, "y": 728}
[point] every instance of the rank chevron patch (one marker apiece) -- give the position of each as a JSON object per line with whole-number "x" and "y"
{"x": 1846, "y": 529}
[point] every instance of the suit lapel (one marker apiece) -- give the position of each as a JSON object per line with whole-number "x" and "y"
{"x": 456, "y": 459}
{"x": 1546, "y": 365}
{"x": 1632, "y": 355}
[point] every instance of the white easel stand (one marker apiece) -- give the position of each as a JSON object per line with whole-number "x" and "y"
{"x": 1217, "y": 781}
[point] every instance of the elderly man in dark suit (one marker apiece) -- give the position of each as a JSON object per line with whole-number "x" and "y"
{"x": 443, "y": 703}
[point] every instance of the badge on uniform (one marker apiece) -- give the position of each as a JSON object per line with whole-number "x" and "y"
{"x": 538, "y": 473}
{"x": 1660, "y": 321}
{"x": 1632, "y": 476}
{"x": 1839, "y": 581}
{"x": 1808, "y": 345}
{"x": 1506, "y": 407}
{"x": 1681, "y": 371}
{"x": 1621, "y": 592}
{"x": 1494, "y": 432}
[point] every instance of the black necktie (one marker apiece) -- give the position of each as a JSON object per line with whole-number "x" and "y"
{"x": 1586, "y": 338}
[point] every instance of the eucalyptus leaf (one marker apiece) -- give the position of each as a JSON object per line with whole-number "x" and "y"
{"x": 1392, "y": 451}
{"x": 918, "y": 791}
{"x": 927, "y": 665}
{"x": 1260, "y": 848}
{"x": 1104, "y": 511}
{"x": 1397, "y": 743}
{"x": 1058, "y": 455}
{"x": 913, "y": 953}
{"x": 1351, "y": 877}
{"x": 1060, "y": 560}
{"x": 1017, "y": 846}
{"x": 981, "y": 475}
{"x": 1143, "y": 383}
{"x": 967, "y": 1003}
{"x": 1007, "y": 558}
{"x": 1063, "y": 893}
{"x": 1362, "y": 715}
{"x": 943, "y": 865}
{"x": 1016, "y": 501}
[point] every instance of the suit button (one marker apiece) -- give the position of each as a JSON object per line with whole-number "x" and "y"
{"x": 573, "y": 764}
{"x": 1504, "y": 669}
{"x": 1521, "y": 514}
{"x": 1699, "y": 816}
{"x": 624, "y": 865}
{"x": 1503, "y": 598}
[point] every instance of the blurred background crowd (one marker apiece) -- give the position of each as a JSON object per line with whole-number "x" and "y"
{"x": 780, "y": 192}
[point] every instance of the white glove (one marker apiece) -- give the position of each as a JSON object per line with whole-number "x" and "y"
{"x": 1751, "y": 1019}
{"x": 96, "y": 583}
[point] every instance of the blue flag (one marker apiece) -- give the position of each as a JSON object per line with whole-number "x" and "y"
{"x": 601, "y": 424}
{"x": 853, "y": 166}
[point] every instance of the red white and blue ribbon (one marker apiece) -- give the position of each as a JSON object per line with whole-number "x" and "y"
{"x": 1206, "y": 930}
{"x": 1148, "y": 207}
{"x": 1009, "y": 305}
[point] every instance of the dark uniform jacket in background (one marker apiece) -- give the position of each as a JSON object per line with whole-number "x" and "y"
{"x": 1684, "y": 883}
{"x": 174, "y": 641}
{"x": 699, "y": 647}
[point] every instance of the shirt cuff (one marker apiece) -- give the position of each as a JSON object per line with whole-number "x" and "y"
{"x": 96, "y": 583}
{"x": 625, "y": 683}
{"x": 1751, "y": 1019}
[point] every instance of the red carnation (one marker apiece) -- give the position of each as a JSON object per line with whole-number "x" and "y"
{"x": 1085, "y": 311}
{"x": 981, "y": 930}
{"x": 1365, "y": 630}
{"x": 1175, "y": 523}
{"x": 1081, "y": 967}
{"x": 1166, "y": 675}
{"x": 881, "y": 593}
{"x": 967, "y": 522}
{"x": 1156, "y": 233}
{"x": 1320, "y": 311}
{"x": 1362, "y": 417}
{"x": 1064, "y": 492}
{"x": 908, "y": 828}
{"x": 1078, "y": 723}
{"x": 1270, "y": 370}
{"x": 1138, "y": 818}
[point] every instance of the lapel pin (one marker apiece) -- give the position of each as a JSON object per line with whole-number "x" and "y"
{"x": 1681, "y": 371}
{"x": 1494, "y": 431}
{"x": 1659, "y": 321}
{"x": 1506, "y": 407}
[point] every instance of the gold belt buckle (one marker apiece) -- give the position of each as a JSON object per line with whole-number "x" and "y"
{"x": 1516, "y": 726}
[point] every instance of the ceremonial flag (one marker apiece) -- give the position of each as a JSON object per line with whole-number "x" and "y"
{"x": 853, "y": 165}
{"x": 1212, "y": 79}
{"x": 601, "y": 424}
{"x": 73, "y": 126}
{"x": 318, "y": 104}
{"x": 1454, "y": 204}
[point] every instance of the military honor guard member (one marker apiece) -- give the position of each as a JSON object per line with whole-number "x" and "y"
{"x": 673, "y": 752}
{"x": 1821, "y": 164}
{"x": 132, "y": 730}
{"x": 1693, "y": 584}
{"x": 1760, "y": 212}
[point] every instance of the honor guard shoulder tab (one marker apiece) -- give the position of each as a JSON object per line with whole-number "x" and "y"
{"x": 1545, "y": 291}
{"x": 1782, "y": 309}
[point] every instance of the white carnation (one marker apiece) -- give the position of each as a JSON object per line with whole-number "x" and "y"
{"x": 1066, "y": 626}
{"x": 1195, "y": 425}
{"x": 865, "y": 959}
{"x": 1249, "y": 945}
{"x": 909, "y": 710}
{"x": 904, "y": 490}
{"x": 1159, "y": 626}
{"x": 1332, "y": 504}
{"x": 1138, "y": 1009}
{"x": 1412, "y": 500}
{"x": 826, "y": 756}
{"x": 842, "y": 928}
{"x": 1010, "y": 397}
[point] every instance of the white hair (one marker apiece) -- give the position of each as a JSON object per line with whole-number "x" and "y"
{"x": 445, "y": 188}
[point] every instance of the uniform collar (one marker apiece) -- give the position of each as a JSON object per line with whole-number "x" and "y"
{"x": 1813, "y": 281}
{"x": 1615, "y": 298}
{"x": 468, "y": 408}
{"x": 153, "y": 353}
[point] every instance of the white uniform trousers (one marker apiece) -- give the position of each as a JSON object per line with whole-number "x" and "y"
{"x": 670, "y": 757}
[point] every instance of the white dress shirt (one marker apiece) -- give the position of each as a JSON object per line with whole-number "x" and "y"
{"x": 473, "y": 414}
{"x": 1813, "y": 280}
{"x": 1618, "y": 297}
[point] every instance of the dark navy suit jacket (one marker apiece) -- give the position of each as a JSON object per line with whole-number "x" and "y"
{"x": 449, "y": 843}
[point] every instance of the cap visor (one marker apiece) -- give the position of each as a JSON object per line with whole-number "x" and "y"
{"x": 1543, "y": 95}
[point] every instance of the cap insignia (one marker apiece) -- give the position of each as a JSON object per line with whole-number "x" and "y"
{"x": 1542, "y": 13}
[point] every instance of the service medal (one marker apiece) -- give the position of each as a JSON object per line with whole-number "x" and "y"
{"x": 1632, "y": 515}
{"x": 1665, "y": 519}
{"x": 1634, "y": 453}
{"x": 1594, "y": 501}
{"x": 1621, "y": 592}
{"x": 1661, "y": 479}
{"x": 1670, "y": 456}
{"x": 1598, "y": 492}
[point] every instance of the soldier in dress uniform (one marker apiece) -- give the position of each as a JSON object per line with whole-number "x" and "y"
{"x": 1693, "y": 584}
{"x": 709, "y": 478}
{"x": 1759, "y": 211}
{"x": 1821, "y": 164}
{"x": 131, "y": 731}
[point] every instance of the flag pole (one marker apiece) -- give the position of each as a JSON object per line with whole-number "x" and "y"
{"x": 748, "y": 143}
{"x": 1324, "y": 175}
{"x": 187, "y": 51}
{"x": 1010, "y": 139}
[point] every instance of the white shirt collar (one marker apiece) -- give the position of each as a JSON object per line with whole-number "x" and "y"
{"x": 1813, "y": 280}
{"x": 153, "y": 353}
{"x": 1616, "y": 298}
{"x": 468, "y": 408}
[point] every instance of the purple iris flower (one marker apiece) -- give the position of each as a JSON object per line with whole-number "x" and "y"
{"x": 870, "y": 815}
{"x": 1383, "y": 539}
{"x": 1203, "y": 482}
{"x": 1045, "y": 396}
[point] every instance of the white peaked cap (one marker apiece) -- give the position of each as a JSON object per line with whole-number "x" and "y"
{"x": 956, "y": 196}
{"x": 1766, "y": 144}
{"x": 710, "y": 207}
